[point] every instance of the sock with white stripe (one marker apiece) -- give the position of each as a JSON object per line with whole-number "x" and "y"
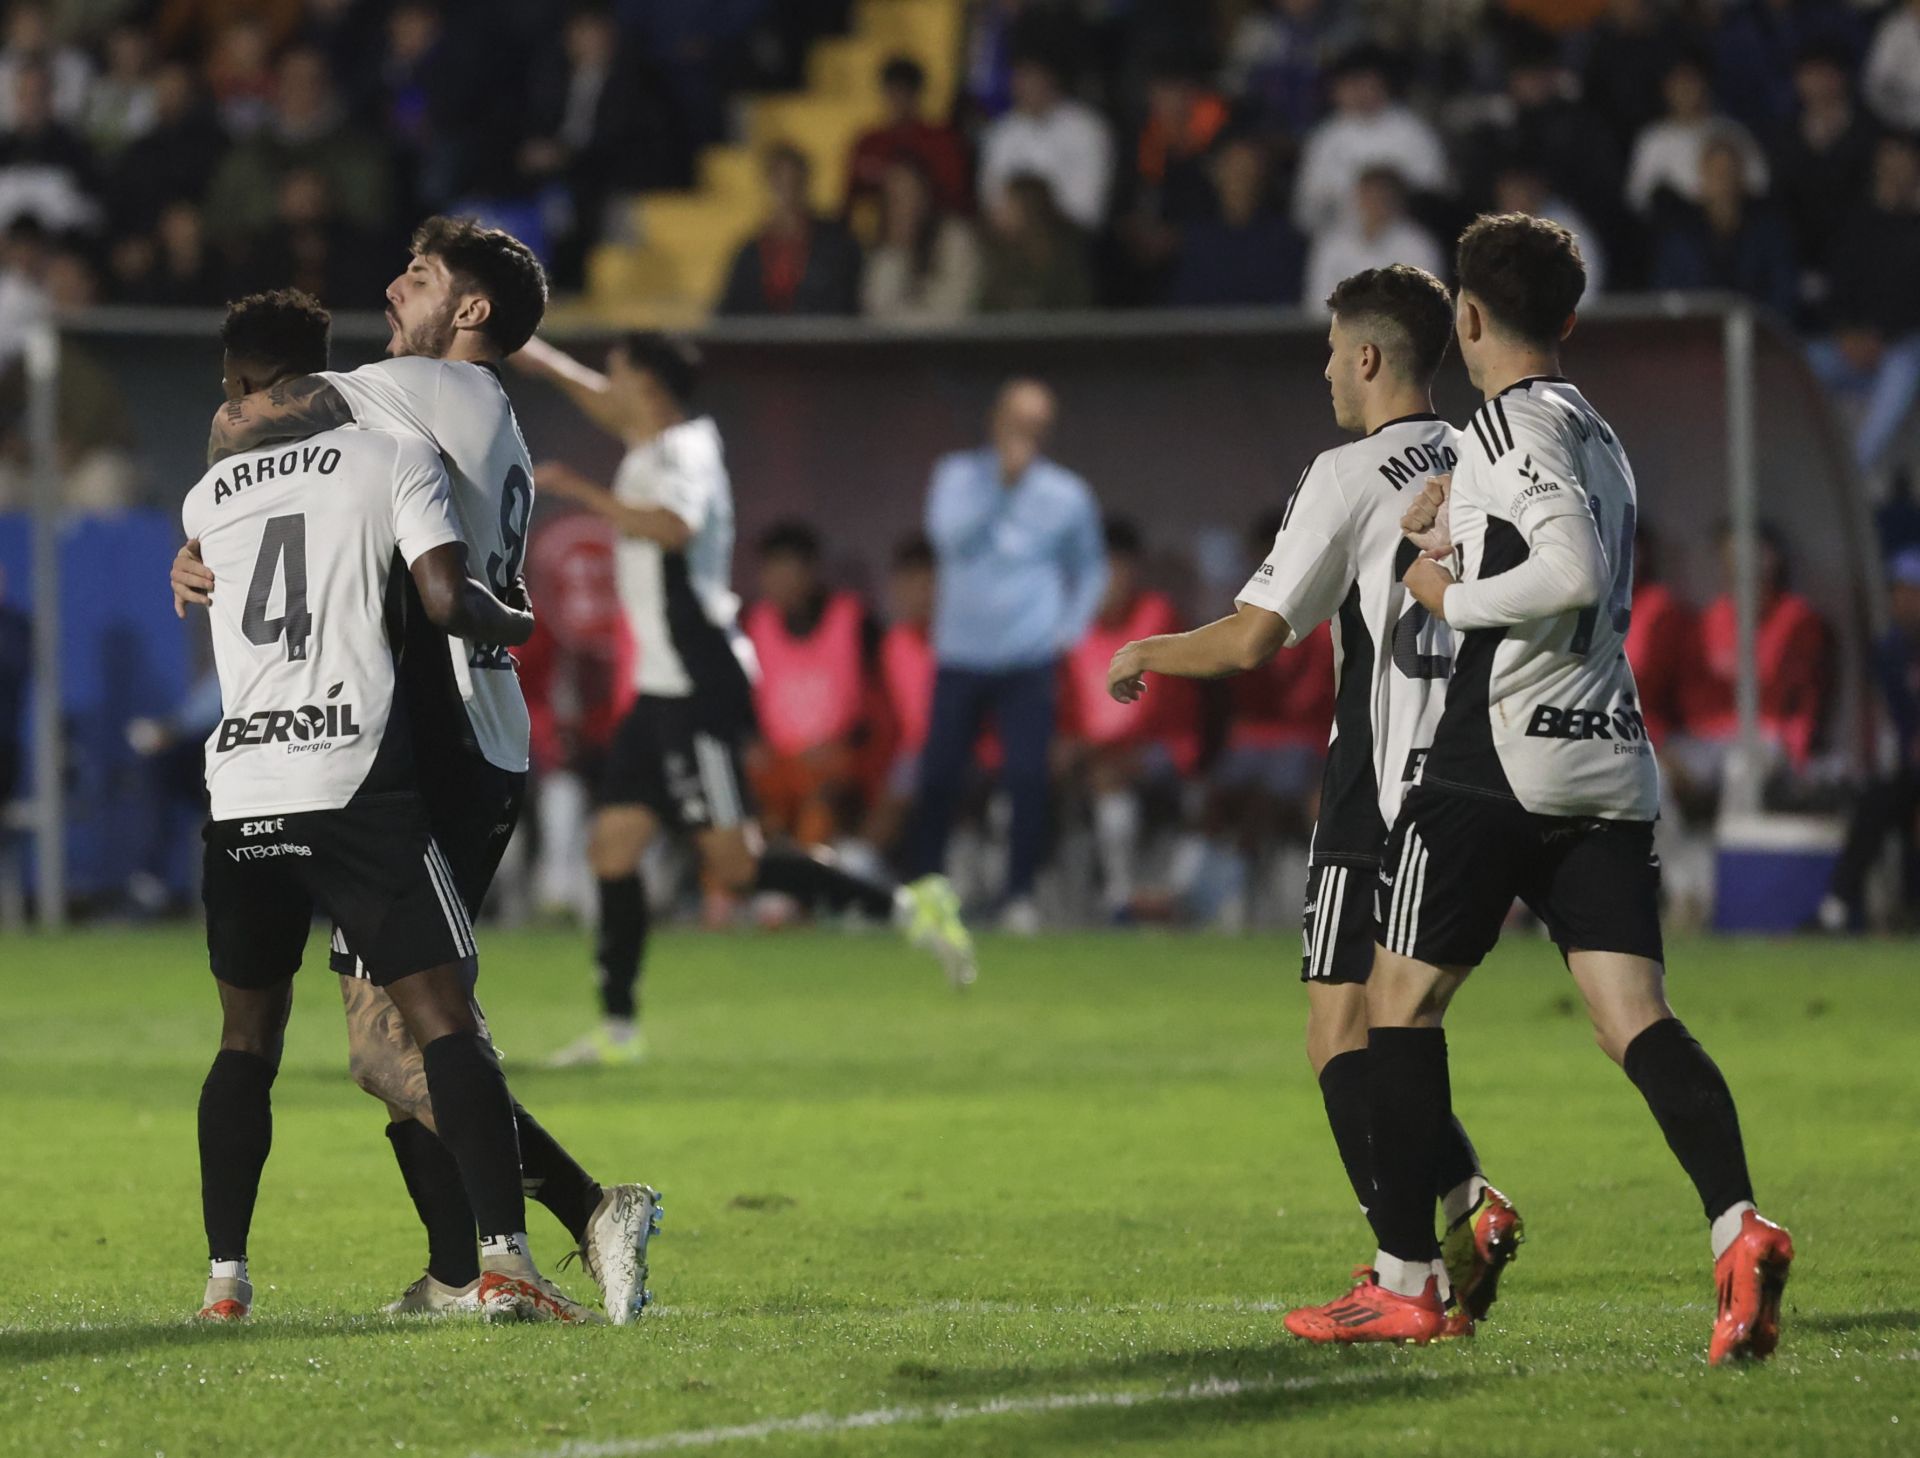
{"x": 1410, "y": 1105}
{"x": 1694, "y": 1108}
{"x": 622, "y": 944}
{"x": 474, "y": 1111}
{"x": 236, "y": 1135}
{"x": 817, "y": 883}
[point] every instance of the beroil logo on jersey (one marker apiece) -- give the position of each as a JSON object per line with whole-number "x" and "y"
{"x": 305, "y": 730}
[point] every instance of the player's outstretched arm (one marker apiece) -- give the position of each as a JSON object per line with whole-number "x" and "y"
{"x": 1228, "y": 645}
{"x": 460, "y": 605}
{"x": 589, "y": 390}
{"x": 289, "y": 410}
{"x": 651, "y": 523}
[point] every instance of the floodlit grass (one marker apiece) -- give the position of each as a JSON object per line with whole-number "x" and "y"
{"x": 1062, "y": 1213}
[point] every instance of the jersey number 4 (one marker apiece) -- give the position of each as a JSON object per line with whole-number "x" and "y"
{"x": 284, "y": 543}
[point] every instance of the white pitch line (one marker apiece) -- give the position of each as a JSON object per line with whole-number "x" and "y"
{"x": 1211, "y": 1389}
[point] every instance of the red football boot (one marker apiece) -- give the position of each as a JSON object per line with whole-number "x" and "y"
{"x": 1372, "y": 1313}
{"x": 1477, "y": 1248}
{"x": 1750, "y": 1275}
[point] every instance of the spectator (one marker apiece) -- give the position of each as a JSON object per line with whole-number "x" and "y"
{"x": 176, "y": 266}
{"x": 1276, "y": 58}
{"x": 1629, "y": 54}
{"x": 1663, "y": 640}
{"x": 1049, "y": 135}
{"x": 1729, "y": 241}
{"x": 1367, "y": 130}
{"x": 925, "y": 266}
{"x": 1379, "y": 233}
{"x": 1889, "y": 806}
{"x": 600, "y": 129}
{"x": 308, "y": 130}
{"x": 577, "y": 671}
{"x": 45, "y": 169}
{"x": 1541, "y": 125}
{"x": 1021, "y": 573}
{"x": 798, "y": 263}
{"x": 30, "y": 44}
{"x": 121, "y": 107}
{"x": 816, "y": 646}
{"x": 1124, "y": 757}
{"x": 1873, "y": 352}
{"x": 16, "y": 665}
{"x": 1756, "y": 45}
{"x": 172, "y": 162}
{"x": 1522, "y": 189}
{"x": 240, "y": 77}
{"x": 906, "y": 687}
{"x": 1892, "y": 80}
{"x": 420, "y": 98}
{"x": 1184, "y": 119}
{"x": 312, "y": 247}
{"x": 1035, "y": 257}
{"x": 1793, "y": 654}
{"x": 1824, "y": 164}
{"x": 1249, "y": 253}
{"x": 1666, "y": 155}
{"x": 190, "y": 26}
{"x": 999, "y": 34}
{"x": 905, "y": 132}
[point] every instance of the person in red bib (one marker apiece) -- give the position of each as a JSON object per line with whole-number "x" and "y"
{"x": 906, "y": 690}
{"x": 1663, "y": 641}
{"x": 1123, "y": 756}
{"x": 816, "y": 647}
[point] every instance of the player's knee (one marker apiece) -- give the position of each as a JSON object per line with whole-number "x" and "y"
{"x": 1337, "y": 1020}
{"x": 615, "y": 844}
{"x": 731, "y": 864}
{"x": 1403, "y": 993}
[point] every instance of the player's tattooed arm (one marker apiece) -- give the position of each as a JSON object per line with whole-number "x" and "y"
{"x": 1225, "y": 646}
{"x": 289, "y": 410}
{"x": 459, "y": 604}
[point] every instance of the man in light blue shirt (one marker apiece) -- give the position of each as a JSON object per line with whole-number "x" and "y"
{"x": 1022, "y": 566}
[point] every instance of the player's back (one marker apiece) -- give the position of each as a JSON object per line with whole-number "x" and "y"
{"x": 463, "y": 410}
{"x": 1340, "y": 555}
{"x": 304, "y": 538}
{"x": 1546, "y": 712}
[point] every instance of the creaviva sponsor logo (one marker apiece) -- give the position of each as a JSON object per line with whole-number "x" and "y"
{"x": 313, "y": 726}
{"x": 1622, "y": 723}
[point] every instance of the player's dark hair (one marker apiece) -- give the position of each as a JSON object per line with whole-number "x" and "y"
{"x": 1123, "y": 536}
{"x": 672, "y": 360}
{"x": 1526, "y": 272}
{"x": 914, "y": 553}
{"x": 286, "y": 329}
{"x": 494, "y": 264}
{"x": 791, "y": 538}
{"x": 1409, "y": 309}
{"x": 905, "y": 73}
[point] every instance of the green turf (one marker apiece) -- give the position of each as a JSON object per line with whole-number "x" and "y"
{"x": 1104, "y": 1171}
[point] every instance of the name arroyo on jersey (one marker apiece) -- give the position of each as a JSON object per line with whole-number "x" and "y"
{"x": 321, "y": 460}
{"x": 305, "y": 730}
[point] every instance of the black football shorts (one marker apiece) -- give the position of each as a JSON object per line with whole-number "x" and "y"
{"x": 681, "y": 759}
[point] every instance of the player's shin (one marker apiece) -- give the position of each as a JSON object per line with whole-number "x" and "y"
{"x": 475, "y": 1114}
{"x": 622, "y": 944}
{"x": 1344, "y": 1090}
{"x": 553, "y": 1177}
{"x": 433, "y": 1182}
{"x": 1694, "y": 1107}
{"x": 236, "y": 1134}
{"x": 1410, "y": 1106}
{"x": 821, "y": 883}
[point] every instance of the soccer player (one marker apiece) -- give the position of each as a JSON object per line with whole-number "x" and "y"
{"x": 311, "y": 778}
{"x": 1339, "y": 556}
{"x": 676, "y": 761}
{"x": 1541, "y": 784}
{"x": 469, "y": 295}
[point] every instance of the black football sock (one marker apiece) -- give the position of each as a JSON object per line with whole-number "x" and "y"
{"x": 475, "y": 1114}
{"x": 553, "y": 1177}
{"x": 1694, "y": 1108}
{"x": 236, "y": 1134}
{"x": 433, "y": 1182}
{"x": 818, "y": 883}
{"x": 1343, "y": 1088}
{"x": 1456, "y": 1161}
{"x": 622, "y": 944}
{"x": 1410, "y": 1106}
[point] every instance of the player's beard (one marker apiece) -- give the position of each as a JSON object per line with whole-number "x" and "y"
{"x": 430, "y": 338}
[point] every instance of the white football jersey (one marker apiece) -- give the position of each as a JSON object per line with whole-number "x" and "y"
{"x": 1546, "y": 712}
{"x": 463, "y": 411}
{"x": 301, "y": 540}
{"x": 1340, "y": 555}
{"x": 681, "y": 605}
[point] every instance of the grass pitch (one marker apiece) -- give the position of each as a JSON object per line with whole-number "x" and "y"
{"x": 1060, "y": 1214}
